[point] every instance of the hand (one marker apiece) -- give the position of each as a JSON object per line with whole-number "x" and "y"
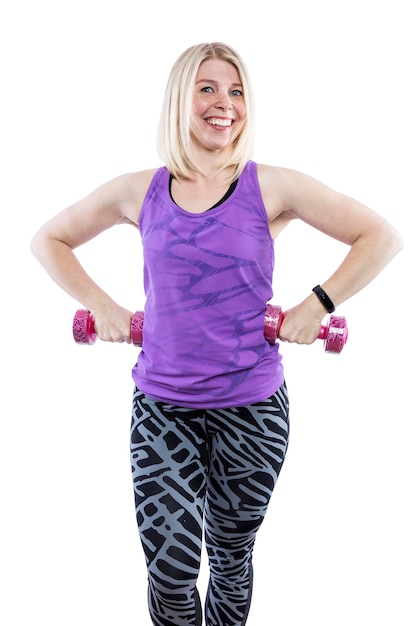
{"x": 302, "y": 323}
{"x": 113, "y": 323}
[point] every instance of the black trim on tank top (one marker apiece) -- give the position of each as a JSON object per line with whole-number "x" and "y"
{"x": 226, "y": 195}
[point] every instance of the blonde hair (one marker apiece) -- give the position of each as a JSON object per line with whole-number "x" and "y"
{"x": 174, "y": 139}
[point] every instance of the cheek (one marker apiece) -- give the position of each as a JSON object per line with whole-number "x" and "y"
{"x": 195, "y": 110}
{"x": 242, "y": 119}
{"x": 199, "y": 106}
{"x": 195, "y": 123}
{"x": 242, "y": 112}
{"x": 195, "y": 119}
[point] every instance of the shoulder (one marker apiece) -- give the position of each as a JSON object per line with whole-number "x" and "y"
{"x": 289, "y": 190}
{"x": 130, "y": 190}
{"x": 289, "y": 194}
{"x": 275, "y": 179}
{"x": 135, "y": 185}
{"x": 270, "y": 176}
{"x": 274, "y": 182}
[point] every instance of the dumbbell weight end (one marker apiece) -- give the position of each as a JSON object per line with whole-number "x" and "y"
{"x": 334, "y": 334}
{"x": 83, "y": 329}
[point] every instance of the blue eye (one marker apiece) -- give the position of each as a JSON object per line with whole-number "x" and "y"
{"x": 237, "y": 92}
{"x": 207, "y": 89}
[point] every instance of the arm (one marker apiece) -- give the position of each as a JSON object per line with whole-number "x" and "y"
{"x": 116, "y": 202}
{"x": 372, "y": 241}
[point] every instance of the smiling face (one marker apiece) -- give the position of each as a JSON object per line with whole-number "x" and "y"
{"x": 218, "y": 107}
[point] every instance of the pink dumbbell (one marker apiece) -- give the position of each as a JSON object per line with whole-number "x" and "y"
{"x": 84, "y": 332}
{"x": 335, "y": 333}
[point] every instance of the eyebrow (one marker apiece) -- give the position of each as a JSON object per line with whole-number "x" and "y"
{"x": 215, "y": 82}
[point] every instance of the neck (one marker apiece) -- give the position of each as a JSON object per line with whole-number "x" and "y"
{"x": 212, "y": 164}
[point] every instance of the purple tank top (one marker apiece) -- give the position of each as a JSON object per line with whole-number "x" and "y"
{"x": 207, "y": 279}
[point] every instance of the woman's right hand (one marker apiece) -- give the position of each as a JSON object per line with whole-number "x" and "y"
{"x": 113, "y": 323}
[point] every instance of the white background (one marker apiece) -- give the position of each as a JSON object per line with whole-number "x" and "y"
{"x": 82, "y": 86}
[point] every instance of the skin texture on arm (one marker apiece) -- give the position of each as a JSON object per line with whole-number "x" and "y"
{"x": 373, "y": 241}
{"x": 115, "y": 202}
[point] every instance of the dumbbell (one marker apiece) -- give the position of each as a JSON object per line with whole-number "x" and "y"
{"x": 84, "y": 332}
{"x": 334, "y": 334}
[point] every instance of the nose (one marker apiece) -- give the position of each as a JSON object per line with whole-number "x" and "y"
{"x": 224, "y": 101}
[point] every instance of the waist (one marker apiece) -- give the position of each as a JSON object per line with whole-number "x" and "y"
{"x": 222, "y": 362}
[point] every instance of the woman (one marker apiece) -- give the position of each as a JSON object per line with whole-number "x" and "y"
{"x": 210, "y": 407}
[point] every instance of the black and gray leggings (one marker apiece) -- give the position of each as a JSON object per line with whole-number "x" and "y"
{"x": 221, "y": 464}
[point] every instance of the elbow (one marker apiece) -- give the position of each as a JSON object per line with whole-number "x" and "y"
{"x": 396, "y": 242}
{"x": 390, "y": 244}
{"x": 36, "y": 245}
{"x": 40, "y": 246}
{"x": 33, "y": 245}
{"x": 383, "y": 243}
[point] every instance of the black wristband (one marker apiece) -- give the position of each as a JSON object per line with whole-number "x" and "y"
{"x": 324, "y": 299}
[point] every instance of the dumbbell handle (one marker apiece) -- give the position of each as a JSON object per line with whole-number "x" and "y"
{"x": 335, "y": 333}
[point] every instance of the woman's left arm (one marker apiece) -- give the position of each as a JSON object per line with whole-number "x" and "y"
{"x": 373, "y": 241}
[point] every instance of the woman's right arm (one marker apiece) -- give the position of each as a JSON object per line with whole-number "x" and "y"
{"x": 116, "y": 202}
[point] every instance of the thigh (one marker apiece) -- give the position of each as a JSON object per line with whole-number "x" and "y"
{"x": 169, "y": 458}
{"x": 248, "y": 445}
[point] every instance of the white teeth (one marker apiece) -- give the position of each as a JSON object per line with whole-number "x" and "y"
{"x": 217, "y": 122}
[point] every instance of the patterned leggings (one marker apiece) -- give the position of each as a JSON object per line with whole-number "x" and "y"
{"x": 220, "y": 464}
